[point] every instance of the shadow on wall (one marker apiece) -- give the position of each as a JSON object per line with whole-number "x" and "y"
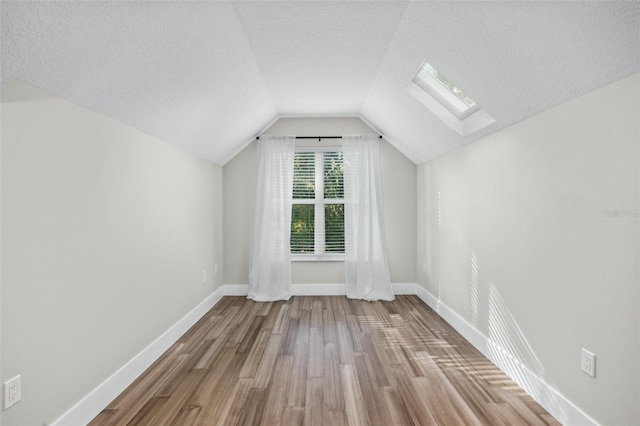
{"x": 471, "y": 304}
{"x": 438, "y": 239}
{"x": 485, "y": 320}
{"x": 508, "y": 348}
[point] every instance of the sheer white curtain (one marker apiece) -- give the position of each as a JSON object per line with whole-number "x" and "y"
{"x": 367, "y": 273}
{"x": 270, "y": 269}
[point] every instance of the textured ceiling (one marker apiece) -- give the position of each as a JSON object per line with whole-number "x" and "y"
{"x": 209, "y": 75}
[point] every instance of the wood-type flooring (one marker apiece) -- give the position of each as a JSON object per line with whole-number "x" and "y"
{"x": 322, "y": 361}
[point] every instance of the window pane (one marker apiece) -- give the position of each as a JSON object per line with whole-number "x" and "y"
{"x": 302, "y": 228}
{"x": 334, "y": 228}
{"x": 304, "y": 175}
{"x": 333, "y": 175}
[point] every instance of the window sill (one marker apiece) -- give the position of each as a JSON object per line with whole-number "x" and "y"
{"x": 338, "y": 257}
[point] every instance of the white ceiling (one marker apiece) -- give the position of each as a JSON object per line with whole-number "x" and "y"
{"x": 209, "y": 75}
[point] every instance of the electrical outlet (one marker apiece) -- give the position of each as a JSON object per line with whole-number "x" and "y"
{"x": 12, "y": 392}
{"x": 588, "y": 363}
{"x": 204, "y": 275}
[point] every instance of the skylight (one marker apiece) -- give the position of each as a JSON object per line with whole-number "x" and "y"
{"x": 450, "y": 95}
{"x": 448, "y": 102}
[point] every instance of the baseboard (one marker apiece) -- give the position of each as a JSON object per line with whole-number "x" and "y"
{"x": 318, "y": 289}
{"x": 91, "y": 405}
{"x": 235, "y": 289}
{"x": 400, "y": 289}
{"x": 553, "y": 401}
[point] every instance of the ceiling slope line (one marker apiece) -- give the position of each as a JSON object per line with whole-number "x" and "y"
{"x": 248, "y": 142}
{"x": 253, "y": 57}
{"x": 389, "y": 139}
{"x": 226, "y": 159}
{"x": 374, "y": 83}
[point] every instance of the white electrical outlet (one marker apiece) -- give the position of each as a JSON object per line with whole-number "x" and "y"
{"x": 204, "y": 275}
{"x": 12, "y": 392}
{"x": 588, "y": 363}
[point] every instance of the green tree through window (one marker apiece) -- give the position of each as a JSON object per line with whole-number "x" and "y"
{"x": 317, "y": 215}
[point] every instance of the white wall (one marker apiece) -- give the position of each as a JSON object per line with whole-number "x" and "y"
{"x": 399, "y": 186}
{"x": 105, "y": 233}
{"x": 517, "y": 236}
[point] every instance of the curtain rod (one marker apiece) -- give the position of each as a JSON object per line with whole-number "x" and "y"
{"x": 318, "y": 137}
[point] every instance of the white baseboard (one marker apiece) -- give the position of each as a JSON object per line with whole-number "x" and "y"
{"x": 235, "y": 289}
{"x": 400, "y": 289}
{"x": 553, "y": 401}
{"x": 91, "y": 405}
{"x": 318, "y": 289}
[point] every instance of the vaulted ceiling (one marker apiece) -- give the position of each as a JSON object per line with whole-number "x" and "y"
{"x": 208, "y": 76}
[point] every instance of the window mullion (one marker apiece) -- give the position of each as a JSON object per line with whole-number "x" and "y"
{"x": 319, "y": 242}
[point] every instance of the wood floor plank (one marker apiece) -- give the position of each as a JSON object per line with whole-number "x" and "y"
{"x": 132, "y": 400}
{"x": 249, "y": 338}
{"x": 396, "y": 407}
{"x": 293, "y": 416}
{"x": 105, "y": 416}
{"x": 271, "y": 316}
{"x": 353, "y": 400}
{"x": 304, "y": 325}
{"x": 332, "y": 374}
{"x": 411, "y": 399}
{"x": 328, "y": 326}
{"x": 215, "y": 391}
{"x": 218, "y": 381}
{"x": 335, "y": 418}
{"x": 322, "y": 361}
{"x": 255, "y": 356}
{"x": 345, "y": 344}
{"x": 148, "y": 411}
{"x": 307, "y": 303}
{"x": 357, "y": 335}
{"x": 277, "y": 392}
{"x": 316, "y": 313}
{"x": 251, "y": 413}
{"x": 267, "y": 363}
{"x": 297, "y": 389}
{"x": 288, "y": 346}
{"x": 282, "y": 320}
{"x": 213, "y": 351}
{"x": 232, "y": 410}
{"x": 178, "y": 399}
{"x": 296, "y": 307}
{"x": 377, "y": 364}
{"x": 220, "y": 322}
{"x": 316, "y": 353}
{"x": 187, "y": 416}
{"x": 313, "y": 409}
{"x": 371, "y": 393}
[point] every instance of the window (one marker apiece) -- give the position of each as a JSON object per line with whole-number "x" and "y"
{"x": 317, "y": 213}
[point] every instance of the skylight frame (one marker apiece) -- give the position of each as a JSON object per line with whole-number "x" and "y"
{"x": 449, "y": 103}
{"x": 445, "y": 91}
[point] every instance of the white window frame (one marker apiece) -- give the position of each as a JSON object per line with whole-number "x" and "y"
{"x": 319, "y": 201}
